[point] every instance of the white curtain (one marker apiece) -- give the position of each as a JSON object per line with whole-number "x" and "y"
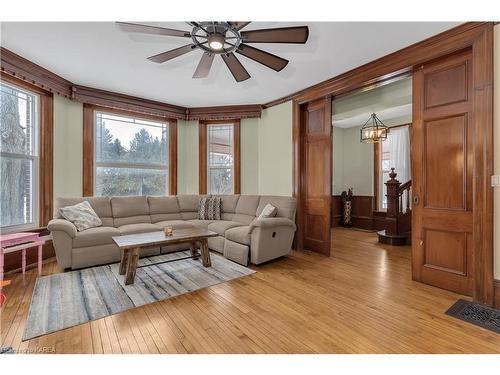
{"x": 396, "y": 151}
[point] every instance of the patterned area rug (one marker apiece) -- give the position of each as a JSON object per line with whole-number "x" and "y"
{"x": 475, "y": 313}
{"x": 67, "y": 299}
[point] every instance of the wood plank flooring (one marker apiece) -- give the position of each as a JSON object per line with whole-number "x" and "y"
{"x": 360, "y": 300}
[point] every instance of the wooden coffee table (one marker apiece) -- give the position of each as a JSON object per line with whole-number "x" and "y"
{"x": 131, "y": 244}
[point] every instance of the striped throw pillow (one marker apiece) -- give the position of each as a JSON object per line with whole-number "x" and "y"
{"x": 209, "y": 208}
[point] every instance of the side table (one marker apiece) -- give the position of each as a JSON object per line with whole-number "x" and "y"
{"x": 12, "y": 242}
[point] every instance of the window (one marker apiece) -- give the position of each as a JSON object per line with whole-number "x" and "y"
{"x": 131, "y": 155}
{"x": 19, "y": 122}
{"x": 220, "y": 165}
{"x": 394, "y": 153}
{"x": 219, "y": 157}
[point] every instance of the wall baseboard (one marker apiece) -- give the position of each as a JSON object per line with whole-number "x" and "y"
{"x": 496, "y": 293}
{"x": 362, "y": 211}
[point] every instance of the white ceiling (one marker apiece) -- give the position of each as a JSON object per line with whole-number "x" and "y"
{"x": 102, "y": 56}
{"x": 392, "y": 103}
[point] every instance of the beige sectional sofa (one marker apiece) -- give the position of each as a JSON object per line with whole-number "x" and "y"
{"x": 242, "y": 236}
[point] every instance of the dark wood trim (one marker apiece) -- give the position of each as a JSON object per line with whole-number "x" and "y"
{"x": 172, "y": 157}
{"x": 202, "y": 162}
{"x": 88, "y": 144}
{"x": 390, "y": 66}
{"x": 129, "y": 103}
{"x": 479, "y": 36}
{"x": 24, "y": 70}
{"x": 202, "y": 144}
{"x": 230, "y": 112}
{"x": 88, "y": 150}
{"x": 376, "y": 174}
{"x": 237, "y": 156}
{"x": 46, "y": 148}
{"x": 46, "y": 160}
{"x": 33, "y": 74}
{"x": 496, "y": 287}
{"x": 482, "y": 73}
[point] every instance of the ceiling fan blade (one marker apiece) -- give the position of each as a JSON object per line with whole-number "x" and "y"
{"x": 237, "y": 70}
{"x": 296, "y": 34}
{"x": 169, "y": 55}
{"x": 204, "y": 65}
{"x": 265, "y": 58}
{"x": 146, "y": 29}
{"x": 238, "y": 25}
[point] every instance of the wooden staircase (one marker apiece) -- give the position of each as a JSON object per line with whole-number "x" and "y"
{"x": 398, "y": 215}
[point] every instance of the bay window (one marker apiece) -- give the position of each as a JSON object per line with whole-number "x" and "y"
{"x": 220, "y": 157}
{"x": 131, "y": 154}
{"x": 19, "y": 161}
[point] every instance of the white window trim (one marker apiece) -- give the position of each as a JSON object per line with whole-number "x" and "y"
{"x": 35, "y": 157}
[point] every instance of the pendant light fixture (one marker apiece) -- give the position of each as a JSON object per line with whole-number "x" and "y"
{"x": 374, "y": 131}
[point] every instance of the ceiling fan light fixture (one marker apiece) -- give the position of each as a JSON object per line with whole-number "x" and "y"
{"x": 216, "y": 41}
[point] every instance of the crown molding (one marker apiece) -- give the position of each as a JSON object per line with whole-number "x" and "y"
{"x": 103, "y": 98}
{"x": 25, "y": 70}
{"x": 225, "y": 112}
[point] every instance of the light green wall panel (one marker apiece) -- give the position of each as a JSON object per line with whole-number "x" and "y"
{"x": 250, "y": 156}
{"x": 187, "y": 157}
{"x": 68, "y": 147}
{"x": 275, "y": 150}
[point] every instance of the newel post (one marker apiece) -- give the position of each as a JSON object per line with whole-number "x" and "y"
{"x": 392, "y": 201}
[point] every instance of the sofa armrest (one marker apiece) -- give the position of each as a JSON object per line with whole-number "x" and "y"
{"x": 271, "y": 222}
{"x": 62, "y": 225}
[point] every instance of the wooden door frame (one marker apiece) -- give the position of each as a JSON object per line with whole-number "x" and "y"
{"x": 475, "y": 35}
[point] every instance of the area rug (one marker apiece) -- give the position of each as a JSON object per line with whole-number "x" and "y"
{"x": 476, "y": 313}
{"x": 67, "y": 299}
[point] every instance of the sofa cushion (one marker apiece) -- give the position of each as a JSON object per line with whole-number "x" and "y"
{"x": 130, "y": 210}
{"x": 175, "y": 224}
{"x": 100, "y": 205}
{"x": 209, "y": 208}
{"x": 137, "y": 228}
{"x": 268, "y": 211}
{"x": 95, "y": 237}
{"x": 81, "y": 215}
{"x": 228, "y": 205}
{"x": 189, "y": 215}
{"x": 285, "y": 206}
{"x": 239, "y": 234}
{"x": 189, "y": 202}
{"x": 246, "y": 209}
{"x": 164, "y": 208}
{"x": 220, "y": 226}
{"x": 200, "y": 223}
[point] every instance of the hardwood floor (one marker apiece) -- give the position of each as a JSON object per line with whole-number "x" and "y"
{"x": 360, "y": 300}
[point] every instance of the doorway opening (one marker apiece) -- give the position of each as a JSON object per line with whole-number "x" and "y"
{"x": 361, "y": 170}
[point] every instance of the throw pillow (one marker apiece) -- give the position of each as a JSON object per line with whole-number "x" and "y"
{"x": 209, "y": 208}
{"x": 81, "y": 215}
{"x": 268, "y": 211}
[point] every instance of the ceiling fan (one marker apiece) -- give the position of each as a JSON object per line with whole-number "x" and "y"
{"x": 224, "y": 38}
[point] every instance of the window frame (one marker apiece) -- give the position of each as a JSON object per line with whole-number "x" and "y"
{"x": 43, "y": 164}
{"x": 203, "y": 153}
{"x": 377, "y": 166}
{"x": 89, "y": 156}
